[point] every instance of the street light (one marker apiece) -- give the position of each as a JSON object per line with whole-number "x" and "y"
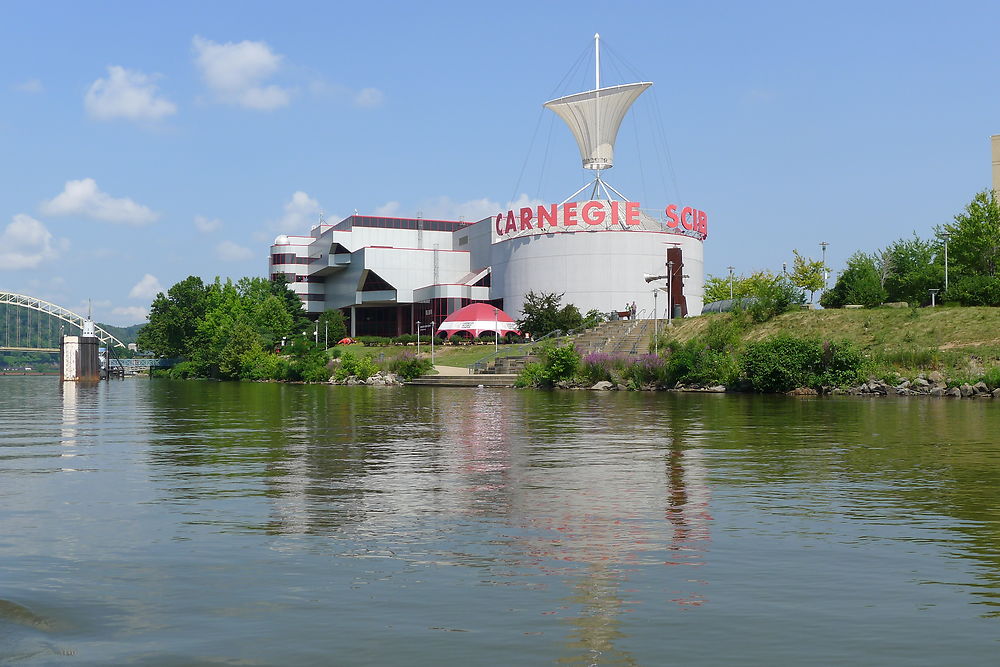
{"x": 496, "y": 334}
{"x": 656, "y": 321}
{"x": 946, "y": 236}
{"x": 418, "y": 339}
{"x": 656, "y": 327}
{"x": 730, "y": 281}
{"x": 826, "y": 273}
{"x": 933, "y": 294}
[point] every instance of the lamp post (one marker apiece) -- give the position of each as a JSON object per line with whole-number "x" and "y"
{"x": 730, "y": 281}
{"x": 656, "y": 321}
{"x": 496, "y": 334}
{"x": 656, "y": 328}
{"x": 418, "y": 339}
{"x": 670, "y": 275}
{"x": 823, "y": 245}
{"x": 946, "y": 236}
{"x": 784, "y": 268}
{"x": 432, "y": 325}
{"x": 933, "y": 295}
{"x": 316, "y": 335}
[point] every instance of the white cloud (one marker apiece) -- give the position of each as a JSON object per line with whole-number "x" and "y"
{"x": 388, "y": 209}
{"x": 301, "y": 213}
{"x": 33, "y": 86}
{"x": 366, "y": 98}
{"x": 207, "y": 225}
{"x": 147, "y": 287}
{"x": 127, "y": 94}
{"x": 232, "y": 252}
{"x": 235, "y": 73}
{"x": 445, "y": 208}
{"x": 83, "y": 198}
{"x": 133, "y": 314}
{"x": 369, "y": 98}
{"x": 25, "y": 243}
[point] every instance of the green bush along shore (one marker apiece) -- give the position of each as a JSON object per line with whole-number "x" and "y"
{"x": 817, "y": 349}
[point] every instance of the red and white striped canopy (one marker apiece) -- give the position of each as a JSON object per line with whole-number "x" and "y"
{"x": 477, "y": 318}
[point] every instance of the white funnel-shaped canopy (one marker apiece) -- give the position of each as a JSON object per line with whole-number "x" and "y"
{"x": 594, "y": 118}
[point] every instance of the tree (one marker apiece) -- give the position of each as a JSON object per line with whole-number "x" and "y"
{"x": 913, "y": 267}
{"x": 807, "y": 274}
{"x": 332, "y": 325}
{"x": 717, "y": 288}
{"x": 174, "y": 318}
{"x": 860, "y": 283}
{"x": 974, "y": 246}
{"x": 540, "y": 313}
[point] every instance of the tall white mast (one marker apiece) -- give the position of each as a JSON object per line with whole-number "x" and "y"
{"x": 597, "y": 60}
{"x": 597, "y": 103}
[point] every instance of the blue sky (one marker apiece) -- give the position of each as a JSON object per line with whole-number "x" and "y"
{"x": 145, "y": 142}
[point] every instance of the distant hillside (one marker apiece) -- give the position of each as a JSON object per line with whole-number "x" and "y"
{"x": 124, "y": 334}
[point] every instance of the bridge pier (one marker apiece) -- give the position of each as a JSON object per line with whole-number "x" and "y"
{"x": 78, "y": 359}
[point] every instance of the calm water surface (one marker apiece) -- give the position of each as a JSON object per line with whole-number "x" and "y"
{"x": 196, "y": 523}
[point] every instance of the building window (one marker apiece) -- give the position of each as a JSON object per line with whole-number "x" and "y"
{"x": 463, "y": 240}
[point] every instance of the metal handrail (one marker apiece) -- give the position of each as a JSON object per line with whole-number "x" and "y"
{"x": 526, "y": 348}
{"x": 482, "y": 363}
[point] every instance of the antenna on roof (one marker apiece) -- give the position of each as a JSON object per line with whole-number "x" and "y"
{"x": 322, "y": 217}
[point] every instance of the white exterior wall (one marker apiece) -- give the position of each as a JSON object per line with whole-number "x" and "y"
{"x": 601, "y": 269}
{"x": 598, "y": 269}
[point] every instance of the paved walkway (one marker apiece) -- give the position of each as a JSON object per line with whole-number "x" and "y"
{"x": 451, "y": 370}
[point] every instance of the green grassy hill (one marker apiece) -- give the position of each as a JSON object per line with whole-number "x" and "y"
{"x": 956, "y": 340}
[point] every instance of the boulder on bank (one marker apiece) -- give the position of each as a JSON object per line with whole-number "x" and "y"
{"x": 603, "y": 385}
{"x": 380, "y": 379}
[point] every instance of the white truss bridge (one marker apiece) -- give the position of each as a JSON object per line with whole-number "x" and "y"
{"x": 58, "y": 312}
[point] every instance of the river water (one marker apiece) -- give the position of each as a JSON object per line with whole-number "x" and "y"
{"x": 158, "y": 522}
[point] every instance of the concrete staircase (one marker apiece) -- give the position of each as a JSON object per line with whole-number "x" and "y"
{"x": 627, "y": 337}
{"x": 494, "y": 380}
{"x": 622, "y": 337}
{"x": 508, "y": 365}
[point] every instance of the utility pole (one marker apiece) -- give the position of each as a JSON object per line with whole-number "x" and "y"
{"x": 730, "y": 281}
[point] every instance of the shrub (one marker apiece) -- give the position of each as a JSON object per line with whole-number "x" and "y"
{"x": 409, "y": 366}
{"x": 597, "y": 367}
{"x": 647, "y": 369}
{"x": 185, "y": 370}
{"x": 370, "y": 341}
{"x": 533, "y": 375}
{"x": 558, "y": 364}
{"x": 258, "y": 364}
{"x": 842, "y": 365}
{"x": 773, "y": 298}
{"x": 975, "y": 290}
{"x": 781, "y": 363}
{"x": 361, "y": 368}
{"x": 785, "y": 362}
{"x": 992, "y": 377}
{"x": 694, "y": 362}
